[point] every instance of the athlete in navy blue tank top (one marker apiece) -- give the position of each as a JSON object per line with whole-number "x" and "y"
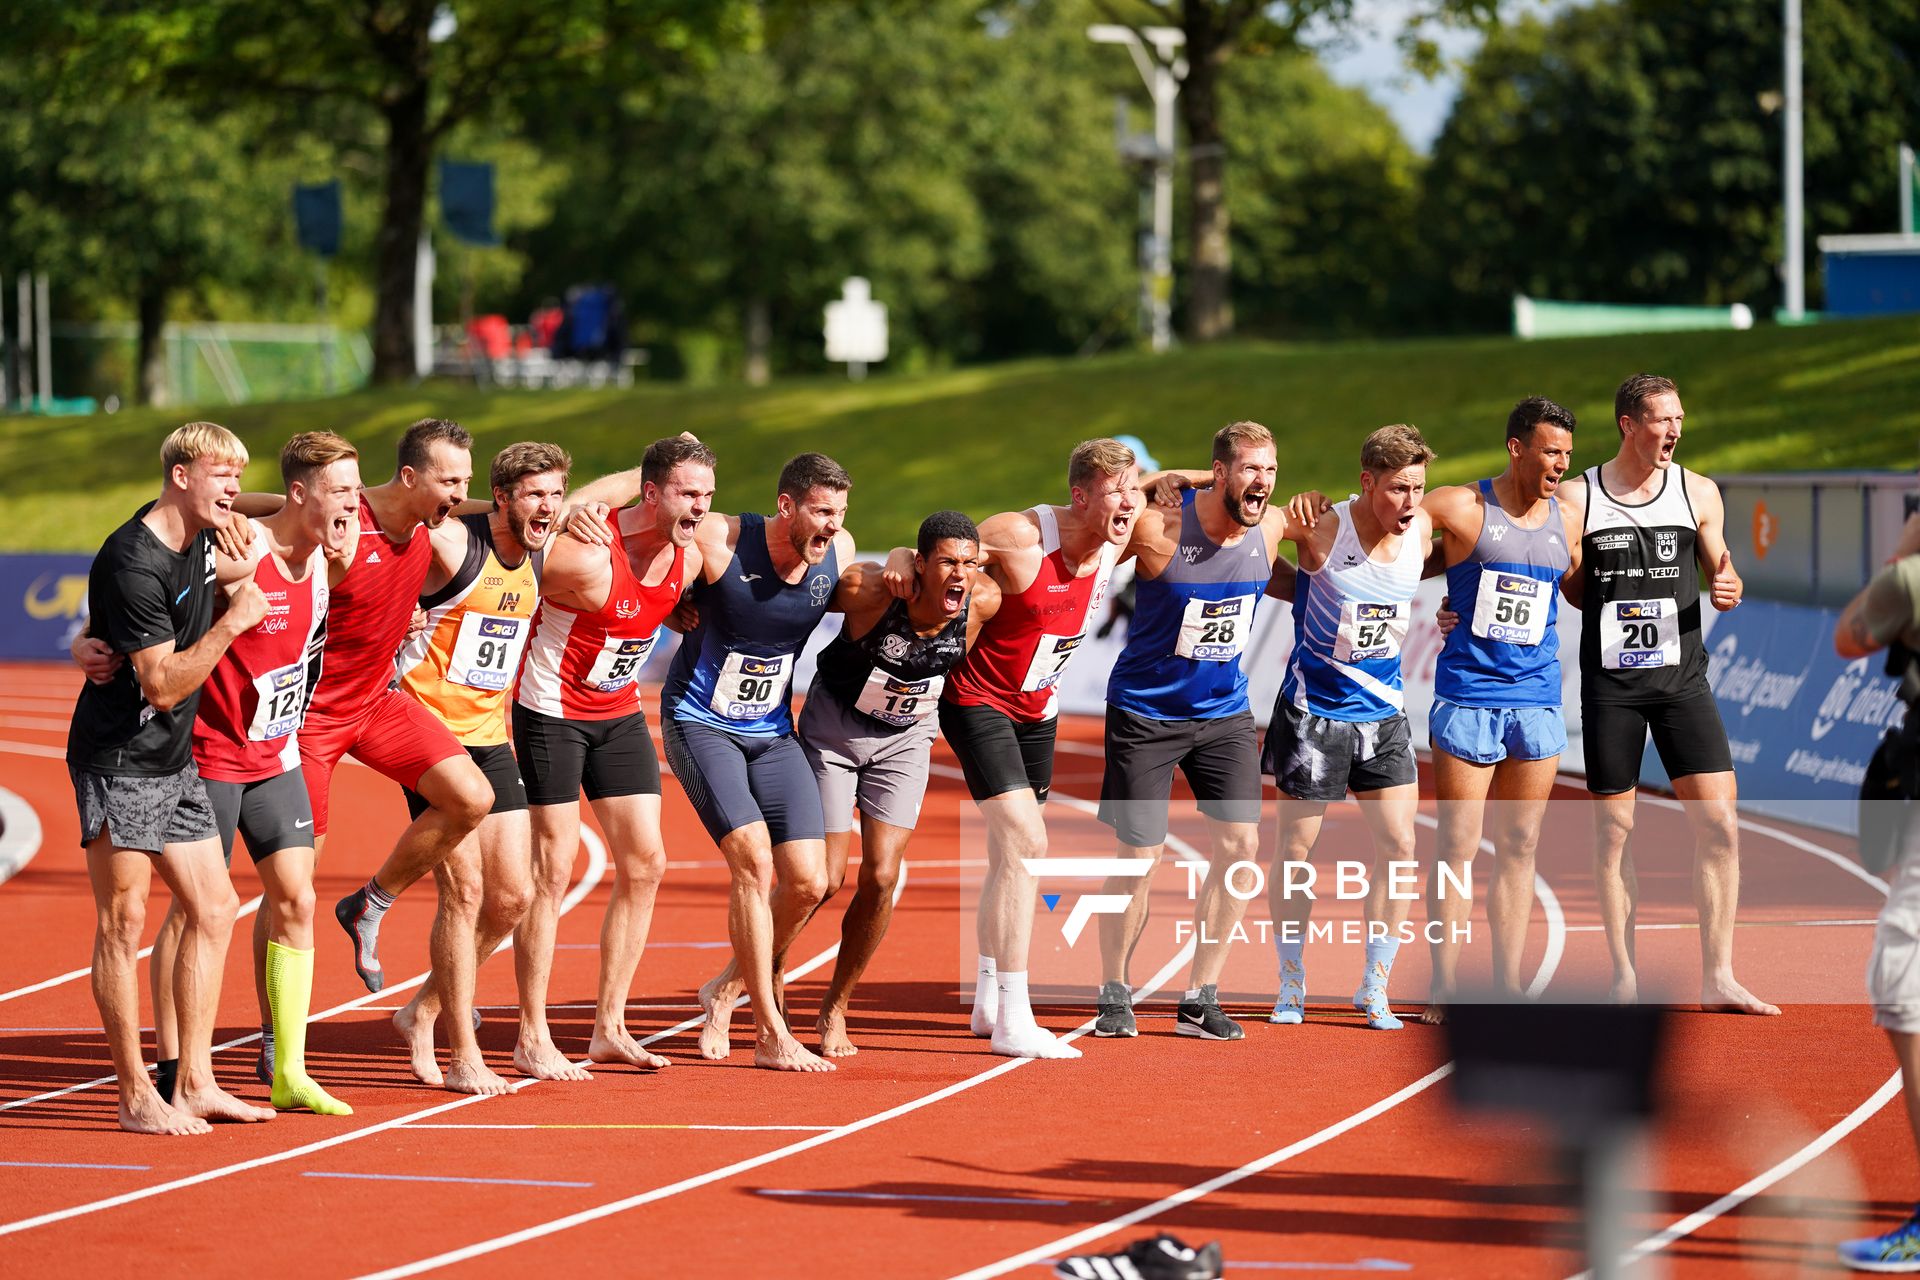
{"x": 1178, "y": 698}
{"x": 1506, "y": 543}
{"x": 765, "y": 583}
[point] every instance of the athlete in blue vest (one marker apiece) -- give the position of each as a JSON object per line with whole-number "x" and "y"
{"x": 1340, "y": 722}
{"x": 1496, "y": 725}
{"x": 765, "y": 583}
{"x": 1178, "y": 697}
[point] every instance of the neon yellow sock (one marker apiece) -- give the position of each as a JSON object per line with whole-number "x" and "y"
{"x": 289, "y": 995}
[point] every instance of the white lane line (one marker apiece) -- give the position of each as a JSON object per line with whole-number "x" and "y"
{"x": 1557, "y": 929}
{"x": 1067, "y": 1243}
{"x": 20, "y": 834}
{"x": 421, "y": 1177}
{"x": 595, "y": 869}
{"x": 718, "y": 1128}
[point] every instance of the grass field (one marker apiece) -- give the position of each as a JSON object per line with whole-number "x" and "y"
{"x": 991, "y": 438}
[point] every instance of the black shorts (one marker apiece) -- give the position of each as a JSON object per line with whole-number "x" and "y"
{"x": 271, "y": 813}
{"x": 734, "y": 780}
{"x": 999, "y": 754}
{"x": 502, "y": 770}
{"x": 1313, "y": 758}
{"x": 608, "y": 757}
{"x": 1687, "y": 732}
{"x": 1220, "y": 757}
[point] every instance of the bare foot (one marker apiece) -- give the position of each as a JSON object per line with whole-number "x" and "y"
{"x": 620, "y": 1047}
{"x": 215, "y": 1103}
{"x": 417, "y": 1033}
{"x": 788, "y": 1055}
{"x": 1625, "y": 990}
{"x": 833, "y": 1034}
{"x": 1728, "y": 996}
{"x": 148, "y": 1112}
{"x": 472, "y": 1075}
{"x": 717, "y": 998}
{"x": 1435, "y": 1012}
{"x": 544, "y": 1062}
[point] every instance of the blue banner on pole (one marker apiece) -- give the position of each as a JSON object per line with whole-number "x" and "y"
{"x": 466, "y": 201}
{"x": 1802, "y": 722}
{"x": 43, "y": 600}
{"x": 316, "y": 217}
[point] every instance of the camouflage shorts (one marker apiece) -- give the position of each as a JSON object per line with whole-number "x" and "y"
{"x": 145, "y": 813}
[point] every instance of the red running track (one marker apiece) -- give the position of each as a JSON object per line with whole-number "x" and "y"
{"x": 1321, "y": 1149}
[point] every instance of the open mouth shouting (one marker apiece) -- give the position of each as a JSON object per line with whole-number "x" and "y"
{"x": 953, "y": 598}
{"x": 1667, "y": 447}
{"x": 440, "y": 514}
{"x": 537, "y": 530}
{"x": 1405, "y": 521}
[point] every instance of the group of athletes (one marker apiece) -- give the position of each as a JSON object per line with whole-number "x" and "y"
{"x": 486, "y": 655}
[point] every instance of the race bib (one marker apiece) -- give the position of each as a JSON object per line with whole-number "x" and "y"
{"x": 486, "y": 653}
{"x": 1050, "y": 661}
{"x": 748, "y": 687}
{"x": 891, "y": 700}
{"x": 617, "y": 665}
{"x": 1636, "y": 634}
{"x": 1214, "y": 630}
{"x": 1511, "y": 607}
{"x": 282, "y": 705}
{"x": 1370, "y": 632}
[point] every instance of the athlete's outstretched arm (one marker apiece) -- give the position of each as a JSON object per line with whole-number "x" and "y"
{"x": 168, "y": 675}
{"x": 983, "y": 602}
{"x": 861, "y": 593}
{"x": 1573, "y": 511}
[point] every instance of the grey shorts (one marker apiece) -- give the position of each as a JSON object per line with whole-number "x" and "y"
{"x": 272, "y": 813}
{"x": 1312, "y": 758}
{"x": 145, "y": 813}
{"x": 1893, "y": 969}
{"x": 1219, "y": 756}
{"x": 859, "y": 761}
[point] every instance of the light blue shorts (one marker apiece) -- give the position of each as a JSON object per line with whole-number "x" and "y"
{"x": 1487, "y": 735}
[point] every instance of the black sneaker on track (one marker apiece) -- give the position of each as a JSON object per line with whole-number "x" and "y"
{"x": 1202, "y": 1017}
{"x": 1161, "y": 1258}
{"x": 1116, "y": 1011}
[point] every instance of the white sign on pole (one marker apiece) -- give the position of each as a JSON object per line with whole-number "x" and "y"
{"x": 856, "y": 328}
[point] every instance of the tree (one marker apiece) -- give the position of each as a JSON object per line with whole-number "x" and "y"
{"x": 1217, "y": 30}
{"x": 1630, "y": 152}
{"x": 415, "y": 68}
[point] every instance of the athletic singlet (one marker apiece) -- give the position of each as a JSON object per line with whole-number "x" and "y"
{"x": 1640, "y": 636}
{"x": 892, "y": 674}
{"x": 735, "y": 670}
{"x": 256, "y": 695}
{"x": 1350, "y": 618}
{"x": 367, "y": 619}
{"x": 1505, "y": 652}
{"x": 1190, "y": 626}
{"x": 585, "y": 665}
{"x": 1022, "y": 651}
{"x": 462, "y": 666}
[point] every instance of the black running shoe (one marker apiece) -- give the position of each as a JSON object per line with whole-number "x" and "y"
{"x": 1202, "y": 1017}
{"x": 1161, "y": 1258}
{"x": 1116, "y": 1011}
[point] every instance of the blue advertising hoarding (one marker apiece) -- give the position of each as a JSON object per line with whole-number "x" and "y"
{"x": 43, "y": 599}
{"x": 1802, "y": 722}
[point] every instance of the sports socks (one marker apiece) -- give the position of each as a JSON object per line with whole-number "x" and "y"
{"x": 1371, "y": 998}
{"x": 1015, "y": 1033}
{"x": 289, "y": 995}
{"x": 986, "y": 999}
{"x": 359, "y": 913}
{"x": 166, "y": 1072}
{"x": 263, "y": 1065}
{"x": 1291, "y": 1006}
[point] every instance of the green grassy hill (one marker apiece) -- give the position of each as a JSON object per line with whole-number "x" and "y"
{"x": 988, "y": 439}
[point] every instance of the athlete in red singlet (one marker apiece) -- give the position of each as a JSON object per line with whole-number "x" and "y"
{"x": 355, "y": 706}
{"x": 577, "y": 719}
{"x": 999, "y": 711}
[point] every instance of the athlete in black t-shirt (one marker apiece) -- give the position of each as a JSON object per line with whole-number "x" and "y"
{"x": 151, "y": 597}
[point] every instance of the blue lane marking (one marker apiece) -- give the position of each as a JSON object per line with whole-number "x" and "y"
{"x": 417, "y": 1177}
{"x": 68, "y": 1164}
{"x": 892, "y": 1195}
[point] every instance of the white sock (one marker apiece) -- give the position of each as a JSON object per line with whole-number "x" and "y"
{"x": 1016, "y": 1009}
{"x": 1193, "y": 993}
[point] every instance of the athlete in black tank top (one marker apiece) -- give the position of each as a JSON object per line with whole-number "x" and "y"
{"x": 893, "y": 646}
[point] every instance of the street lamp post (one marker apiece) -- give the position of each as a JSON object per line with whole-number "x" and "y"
{"x": 1162, "y": 69}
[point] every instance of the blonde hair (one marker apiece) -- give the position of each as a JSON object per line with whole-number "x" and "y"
{"x": 196, "y": 440}
{"x": 1236, "y": 436}
{"x": 1394, "y": 447}
{"x": 1091, "y": 458}
{"x": 311, "y": 452}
